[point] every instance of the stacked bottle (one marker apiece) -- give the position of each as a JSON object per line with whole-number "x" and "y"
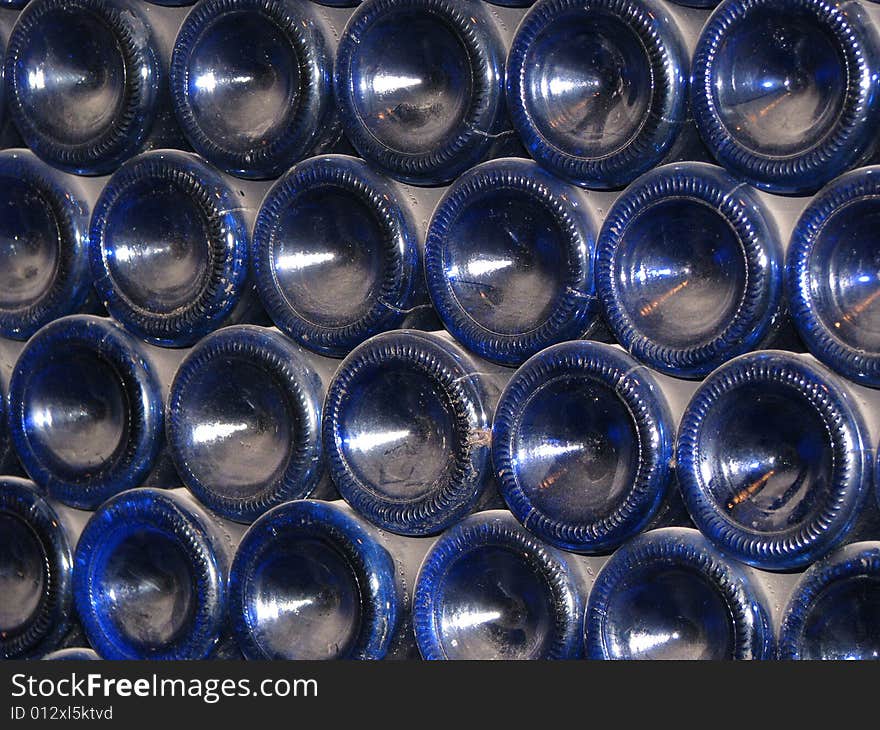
{"x": 86, "y": 81}
{"x": 86, "y": 410}
{"x": 244, "y": 421}
{"x": 337, "y": 254}
{"x": 785, "y": 91}
{"x": 606, "y": 457}
{"x": 37, "y": 539}
{"x": 598, "y": 90}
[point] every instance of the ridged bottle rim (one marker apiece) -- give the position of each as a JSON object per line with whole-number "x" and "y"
{"x": 164, "y": 513}
{"x": 457, "y": 378}
{"x": 760, "y": 303}
{"x": 499, "y": 530}
{"x": 283, "y": 361}
{"x": 851, "y": 361}
{"x": 71, "y": 282}
{"x": 651, "y": 422}
{"x": 688, "y": 549}
{"x": 7, "y": 454}
{"x": 228, "y": 243}
{"x": 476, "y": 31}
{"x": 401, "y": 282}
{"x": 297, "y": 24}
{"x": 852, "y": 138}
{"x": 852, "y": 473}
{"x": 22, "y": 499}
{"x": 576, "y": 312}
{"x": 372, "y": 565}
{"x": 855, "y": 560}
{"x": 145, "y": 418}
{"x": 130, "y": 128}
{"x": 663, "y": 119}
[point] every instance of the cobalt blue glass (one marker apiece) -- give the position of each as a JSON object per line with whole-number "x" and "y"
{"x": 669, "y": 594}
{"x": 406, "y": 425}
{"x": 834, "y": 611}
{"x": 3, "y": 119}
{"x": 833, "y": 276}
{"x": 786, "y": 93}
{"x": 509, "y": 261}
{"x": 86, "y": 410}
{"x": 582, "y": 441}
{"x": 150, "y": 577}
{"x": 73, "y": 654}
{"x": 689, "y": 269}
{"x": 36, "y": 571}
{"x": 169, "y": 248}
{"x": 44, "y": 245}
{"x": 7, "y": 453}
{"x": 773, "y": 460}
{"x": 597, "y": 89}
{"x": 337, "y": 255}
{"x": 311, "y": 581}
{"x": 252, "y": 84}
{"x": 244, "y": 422}
{"x": 420, "y": 86}
{"x": 85, "y": 82}
{"x": 488, "y": 589}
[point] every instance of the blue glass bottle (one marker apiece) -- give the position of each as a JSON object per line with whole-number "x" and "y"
{"x": 488, "y": 589}
{"x": 597, "y": 90}
{"x": 244, "y": 421}
{"x": 668, "y": 594}
{"x": 582, "y": 442}
{"x": 44, "y": 229}
{"x": 833, "y": 611}
{"x": 786, "y": 93}
{"x": 689, "y": 269}
{"x": 73, "y": 654}
{"x": 310, "y": 580}
{"x": 8, "y": 459}
{"x": 252, "y": 83}
{"x": 832, "y": 275}
{"x": 151, "y": 577}
{"x": 4, "y": 19}
{"x": 509, "y": 261}
{"x": 7, "y": 455}
{"x": 337, "y": 254}
{"x": 86, "y": 81}
{"x": 406, "y": 425}
{"x": 774, "y": 460}
{"x": 37, "y": 539}
{"x": 420, "y": 86}
{"x": 169, "y": 248}
{"x": 9, "y": 352}
{"x": 86, "y": 410}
